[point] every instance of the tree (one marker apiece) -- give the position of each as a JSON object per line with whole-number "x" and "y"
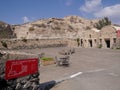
{"x": 107, "y": 21}
{"x": 103, "y": 22}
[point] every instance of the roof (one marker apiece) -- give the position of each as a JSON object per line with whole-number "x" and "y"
{"x": 94, "y": 29}
{"x": 116, "y": 27}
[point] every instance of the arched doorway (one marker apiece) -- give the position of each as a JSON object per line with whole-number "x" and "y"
{"x": 107, "y": 41}
{"x": 90, "y": 43}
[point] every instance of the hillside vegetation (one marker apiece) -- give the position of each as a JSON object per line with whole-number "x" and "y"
{"x": 67, "y": 27}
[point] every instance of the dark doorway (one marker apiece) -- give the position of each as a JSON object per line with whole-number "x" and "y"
{"x": 107, "y": 41}
{"x": 90, "y": 42}
{"x": 81, "y": 42}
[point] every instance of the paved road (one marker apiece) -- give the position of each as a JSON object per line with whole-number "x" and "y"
{"x": 100, "y": 70}
{"x": 94, "y": 80}
{"x": 105, "y": 74}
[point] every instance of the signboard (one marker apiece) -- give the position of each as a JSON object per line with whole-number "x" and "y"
{"x": 19, "y": 68}
{"x": 118, "y": 33}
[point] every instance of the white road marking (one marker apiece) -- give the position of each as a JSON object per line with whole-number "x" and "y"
{"x": 98, "y": 70}
{"x": 67, "y": 78}
{"x": 113, "y": 74}
{"x": 75, "y": 75}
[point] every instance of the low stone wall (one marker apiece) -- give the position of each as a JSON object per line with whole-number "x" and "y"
{"x": 30, "y": 82}
{"x": 32, "y": 43}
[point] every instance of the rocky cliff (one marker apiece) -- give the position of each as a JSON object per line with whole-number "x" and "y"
{"x": 6, "y": 30}
{"x": 67, "y": 27}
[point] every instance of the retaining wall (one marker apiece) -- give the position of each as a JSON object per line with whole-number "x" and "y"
{"x": 35, "y": 43}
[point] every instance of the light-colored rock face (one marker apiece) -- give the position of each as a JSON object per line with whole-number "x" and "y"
{"x": 68, "y": 27}
{"x": 72, "y": 27}
{"x": 90, "y": 34}
{"x": 108, "y": 32}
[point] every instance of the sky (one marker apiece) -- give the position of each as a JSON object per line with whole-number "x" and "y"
{"x": 22, "y": 11}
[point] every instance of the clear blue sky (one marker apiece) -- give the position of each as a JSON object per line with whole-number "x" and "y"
{"x": 20, "y": 11}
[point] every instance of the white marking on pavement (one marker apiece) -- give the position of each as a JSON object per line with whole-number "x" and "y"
{"x": 113, "y": 74}
{"x": 75, "y": 75}
{"x": 98, "y": 70}
{"x": 67, "y": 78}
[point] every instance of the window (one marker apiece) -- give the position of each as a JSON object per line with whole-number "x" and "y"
{"x": 90, "y": 36}
{"x": 100, "y": 41}
{"x": 95, "y": 40}
{"x": 114, "y": 40}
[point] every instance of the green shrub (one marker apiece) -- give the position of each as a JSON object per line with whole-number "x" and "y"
{"x": 118, "y": 48}
{"x": 24, "y": 40}
{"x": 88, "y": 28}
{"x": 70, "y": 27}
{"x": 57, "y": 28}
{"x": 31, "y": 29}
{"x": 4, "y": 44}
{"x": 1, "y": 55}
{"x": 47, "y": 58}
{"x": 37, "y": 39}
{"x": 100, "y": 46}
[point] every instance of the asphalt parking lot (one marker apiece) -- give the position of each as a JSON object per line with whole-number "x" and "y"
{"x": 100, "y": 69}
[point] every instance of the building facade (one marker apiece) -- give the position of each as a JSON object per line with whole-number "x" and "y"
{"x": 107, "y": 37}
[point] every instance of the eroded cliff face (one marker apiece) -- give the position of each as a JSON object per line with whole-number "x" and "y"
{"x": 67, "y": 27}
{"x": 6, "y": 31}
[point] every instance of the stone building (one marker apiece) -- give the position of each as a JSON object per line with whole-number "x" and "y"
{"x": 89, "y": 38}
{"x": 107, "y": 37}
